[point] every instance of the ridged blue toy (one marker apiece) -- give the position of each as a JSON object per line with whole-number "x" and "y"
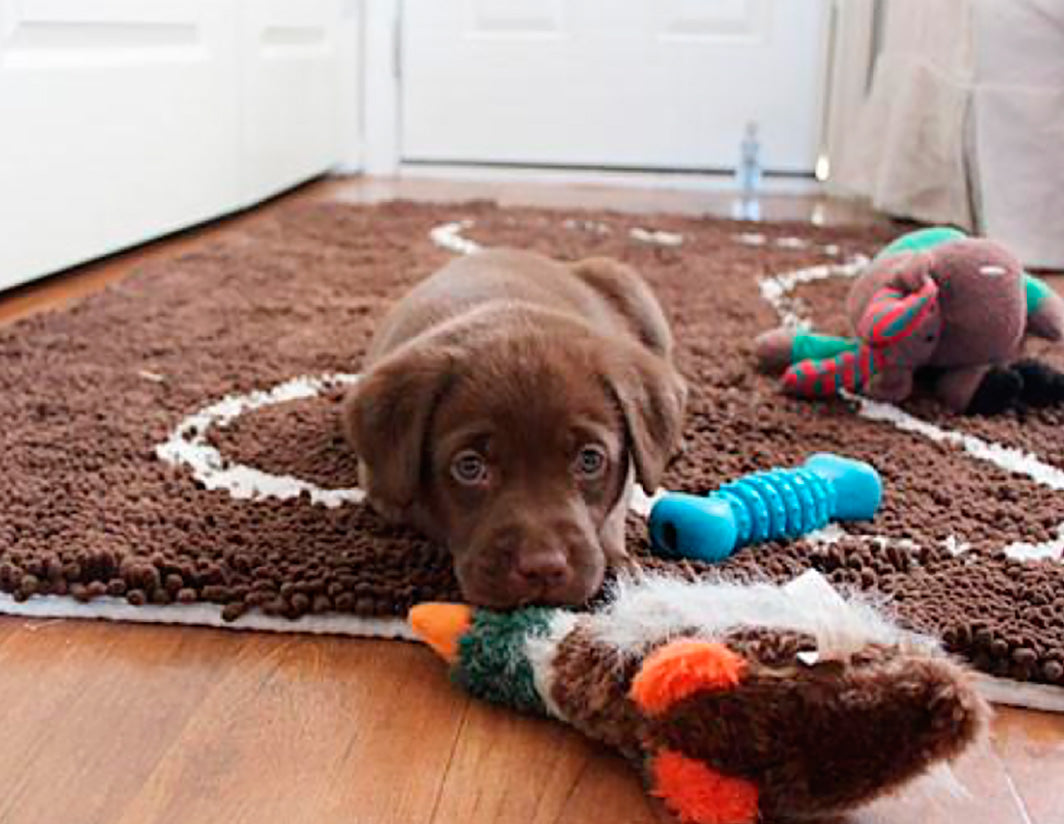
{"x": 770, "y": 505}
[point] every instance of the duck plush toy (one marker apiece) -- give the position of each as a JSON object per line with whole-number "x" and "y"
{"x": 740, "y": 702}
{"x": 954, "y": 307}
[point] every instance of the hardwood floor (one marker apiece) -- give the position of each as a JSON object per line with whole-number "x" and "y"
{"x": 127, "y": 724}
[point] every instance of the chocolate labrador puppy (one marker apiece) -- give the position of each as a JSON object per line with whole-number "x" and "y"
{"x": 506, "y": 404}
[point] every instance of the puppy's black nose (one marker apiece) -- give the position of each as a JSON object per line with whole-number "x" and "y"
{"x": 543, "y": 568}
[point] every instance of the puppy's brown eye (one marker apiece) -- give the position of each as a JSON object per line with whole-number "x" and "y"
{"x": 590, "y": 462}
{"x": 469, "y": 468}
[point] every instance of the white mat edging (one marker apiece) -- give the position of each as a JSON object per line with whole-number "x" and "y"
{"x": 1023, "y": 694}
{"x": 200, "y": 615}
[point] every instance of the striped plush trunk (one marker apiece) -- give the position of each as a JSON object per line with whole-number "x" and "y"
{"x": 897, "y": 330}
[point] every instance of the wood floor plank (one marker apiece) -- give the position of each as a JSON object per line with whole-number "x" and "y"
{"x": 310, "y": 729}
{"x": 89, "y": 709}
{"x": 513, "y": 769}
{"x": 176, "y": 725}
{"x": 608, "y": 788}
{"x": 985, "y": 796}
{"x": 1031, "y": 744}
{"x": 814, "y": 208}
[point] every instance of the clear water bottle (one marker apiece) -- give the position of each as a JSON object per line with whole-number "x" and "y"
{"x": 748, "y": 174}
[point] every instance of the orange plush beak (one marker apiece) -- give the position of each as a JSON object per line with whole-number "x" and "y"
{"x": 441, "y": 626}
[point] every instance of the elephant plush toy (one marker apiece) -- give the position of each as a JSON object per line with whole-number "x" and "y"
{"x": 955, "y": 307}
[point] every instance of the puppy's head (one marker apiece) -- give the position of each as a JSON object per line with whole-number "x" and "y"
{"x": 517, "y": 453}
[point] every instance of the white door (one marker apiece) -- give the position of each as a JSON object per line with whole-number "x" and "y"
{"x": 649, "y": 84}
{"x": 299, "y": 85}
{"x": 122, "y": 120}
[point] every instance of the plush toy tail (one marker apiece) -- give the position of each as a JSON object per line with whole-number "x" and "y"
{"x": 692, "y": 789}
{"x": 824, "y": 378}
{"x": 699, "y": 794}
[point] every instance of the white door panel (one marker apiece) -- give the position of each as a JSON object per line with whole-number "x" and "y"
{"x": 121, "y": 120}
{"x": 117, "y": 122}
{"x": 291, "y": 92}
{"x": 645, "y": 84}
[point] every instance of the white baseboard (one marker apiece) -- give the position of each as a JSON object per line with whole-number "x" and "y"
{"x": 688, "y": 181}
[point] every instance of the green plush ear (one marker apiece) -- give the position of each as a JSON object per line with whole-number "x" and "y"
{"x": 1037, "y": 291}
{"x": 921, "y": 240}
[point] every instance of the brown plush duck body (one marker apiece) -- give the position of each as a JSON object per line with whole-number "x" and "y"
{"x": 740, "y": 701}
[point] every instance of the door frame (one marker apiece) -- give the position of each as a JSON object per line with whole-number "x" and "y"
{"x": 381, "y": 86}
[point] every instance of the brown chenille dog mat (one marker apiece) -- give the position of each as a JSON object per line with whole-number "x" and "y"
{"x": 171, "y": 443}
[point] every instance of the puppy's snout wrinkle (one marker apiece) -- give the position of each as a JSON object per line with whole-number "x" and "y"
{"x": 539, "y": 559}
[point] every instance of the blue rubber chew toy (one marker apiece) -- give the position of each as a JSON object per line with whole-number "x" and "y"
{"x": 777, "y": 504}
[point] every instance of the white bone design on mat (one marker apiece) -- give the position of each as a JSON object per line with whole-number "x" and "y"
{"x": 449, "y": 236}
{"x": 187, "y": 444}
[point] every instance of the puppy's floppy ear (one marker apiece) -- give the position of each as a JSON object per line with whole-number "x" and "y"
{"x": 386, "y": 417}
{"x": 652, "y": 396}
{"x": 623, "y": 288}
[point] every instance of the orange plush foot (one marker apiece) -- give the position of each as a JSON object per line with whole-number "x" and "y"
{"x": 698, "y": 794}
{"x": 681, "y": 669}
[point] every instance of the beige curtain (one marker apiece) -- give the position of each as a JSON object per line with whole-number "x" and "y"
{"x": 963, "y": 121}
